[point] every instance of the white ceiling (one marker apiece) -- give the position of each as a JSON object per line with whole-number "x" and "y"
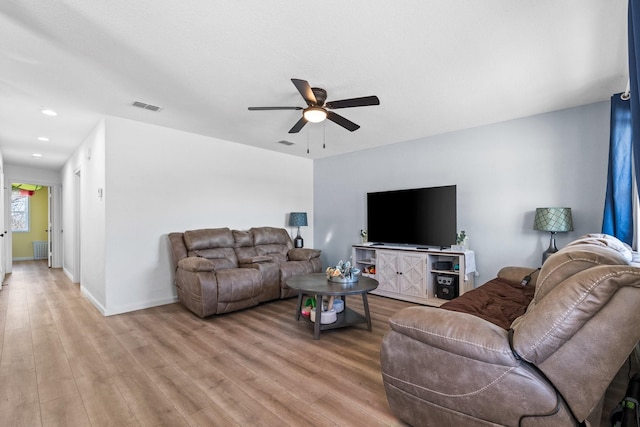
{"x": 437, "y": 66}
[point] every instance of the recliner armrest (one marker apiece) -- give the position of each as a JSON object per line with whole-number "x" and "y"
{"x": 302, "y": 254}
{"x": 516, "y": 274}
{"x": 458, "y": 333}
{"x": 255, "y": 260}
{"x": 195, "y": 264}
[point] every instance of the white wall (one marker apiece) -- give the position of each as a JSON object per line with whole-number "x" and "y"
{"x": 502, "y": 172}
{"x": 159, "y": 180}
{"x": 81, "y": 176}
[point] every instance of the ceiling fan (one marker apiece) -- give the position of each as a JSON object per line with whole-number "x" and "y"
{"x": 317, "y": 109}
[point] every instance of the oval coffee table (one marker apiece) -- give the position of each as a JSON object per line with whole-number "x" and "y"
{"x": 318, "y": 285}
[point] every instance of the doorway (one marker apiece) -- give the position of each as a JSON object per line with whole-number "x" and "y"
{"x": 50, "y": 228}
{"x": 30, "y": 222}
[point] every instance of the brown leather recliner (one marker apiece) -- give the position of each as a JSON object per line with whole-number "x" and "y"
{"x": 446, "y": 368}
{"x": 219, "y": 270}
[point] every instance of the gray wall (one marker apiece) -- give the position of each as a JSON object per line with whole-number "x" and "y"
{"x": 502, "y": 172}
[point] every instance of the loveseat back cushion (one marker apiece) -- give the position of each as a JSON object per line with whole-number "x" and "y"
{"x": 271, "y": 235}
{"x": 242, "y": 238}
{"x": 273, "y": 242}
{"x": 215, "y": 244}
{"x": 221, "y": 258}
{"x": 277, "y": 253}
{"x": 208, "y": 238}
{"x": 245, "y": 251}
{"x": 580, "y": 255}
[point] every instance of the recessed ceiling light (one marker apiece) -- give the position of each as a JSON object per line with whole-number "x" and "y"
{"x": 36, "y": 155}
{"x": 48, "y": 112}
{"x": 43, "y": 139}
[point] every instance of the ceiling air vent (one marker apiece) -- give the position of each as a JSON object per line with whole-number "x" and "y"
{"x": 283, "y": 142}
{"x": 145, "y": 106}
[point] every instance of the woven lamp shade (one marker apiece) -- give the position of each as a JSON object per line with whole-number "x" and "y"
{"x": 554, "y": 220}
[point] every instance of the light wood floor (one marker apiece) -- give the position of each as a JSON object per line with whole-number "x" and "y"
{"x": 63, "y": 364}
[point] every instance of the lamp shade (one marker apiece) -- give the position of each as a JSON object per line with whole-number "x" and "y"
{"x": 298, "y": 219}
{"x": 553, "y": 220}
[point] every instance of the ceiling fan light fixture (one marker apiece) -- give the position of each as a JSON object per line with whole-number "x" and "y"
{"x": 314, "y": 114}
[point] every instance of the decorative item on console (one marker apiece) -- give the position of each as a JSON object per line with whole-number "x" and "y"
{"x": 461, "y": 241}
{"x": 363, "y": 235}
{"x": 343, "y": 272}
{"x": 370, "y": 270}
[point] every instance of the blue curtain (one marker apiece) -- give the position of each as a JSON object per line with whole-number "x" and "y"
{"x": 618, "y": 209}
{"x": 624, "y": 149}
{"x": 633, "y": 26}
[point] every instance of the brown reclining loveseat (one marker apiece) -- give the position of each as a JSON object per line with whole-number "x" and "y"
{"x": 549, "y": 367}
{"x": 219, "y": 270}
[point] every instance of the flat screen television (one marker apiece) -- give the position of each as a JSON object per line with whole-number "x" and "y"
{"x": 418, "y": 216}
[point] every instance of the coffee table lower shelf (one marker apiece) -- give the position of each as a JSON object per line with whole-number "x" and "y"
{"x": 345, "y": 318}
{"x": 317, "y": 286}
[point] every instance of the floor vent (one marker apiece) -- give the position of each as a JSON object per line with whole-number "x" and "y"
{"x": 145, "y": 106}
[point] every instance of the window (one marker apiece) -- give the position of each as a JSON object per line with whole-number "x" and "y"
{"x": 19, "y": 212}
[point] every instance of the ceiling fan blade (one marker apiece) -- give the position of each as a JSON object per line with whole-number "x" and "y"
{"x": 299, "y": 125}
{"x": 305, "y": 90}
{"x": 353, "y": 102}
{"x": 273, "y": 108}
{"x": 338, "y": 119}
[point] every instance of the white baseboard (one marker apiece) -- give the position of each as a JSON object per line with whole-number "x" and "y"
{"x": 92, "y": 300}
{"x": 127, "y": 308}
{"x": 70, "y": 276}
{"x": 140, "y": 306}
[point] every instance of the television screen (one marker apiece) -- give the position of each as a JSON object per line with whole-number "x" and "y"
{"x": 419, "y": 216}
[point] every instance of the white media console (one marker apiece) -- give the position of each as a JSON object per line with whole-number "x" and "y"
{"x": 412, "y": 273}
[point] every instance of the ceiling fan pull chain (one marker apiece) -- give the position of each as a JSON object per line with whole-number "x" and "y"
{"x": 307, "y": 140}
{"x": 324, "y": 136}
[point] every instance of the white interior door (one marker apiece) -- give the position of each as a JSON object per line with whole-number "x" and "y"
{"x": 49, "y": 227}
{"x": 3, "y": 233}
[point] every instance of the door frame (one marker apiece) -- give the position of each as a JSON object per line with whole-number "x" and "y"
{"x": 55, "y": 207}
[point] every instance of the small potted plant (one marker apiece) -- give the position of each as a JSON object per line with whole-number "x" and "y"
{"x": 461, "y": 241}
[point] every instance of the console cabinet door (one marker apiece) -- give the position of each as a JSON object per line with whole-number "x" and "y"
{"x": 413, "y": 273}
{"x": 387, "y": 271}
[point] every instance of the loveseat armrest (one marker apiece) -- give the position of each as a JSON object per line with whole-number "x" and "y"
{"x": 196, "y": 264}
{"x": 457, "y": 333}
{"x": 303, "y": 254}
{"x": 258, "y": 259}
{"x": 517, "y": 274}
